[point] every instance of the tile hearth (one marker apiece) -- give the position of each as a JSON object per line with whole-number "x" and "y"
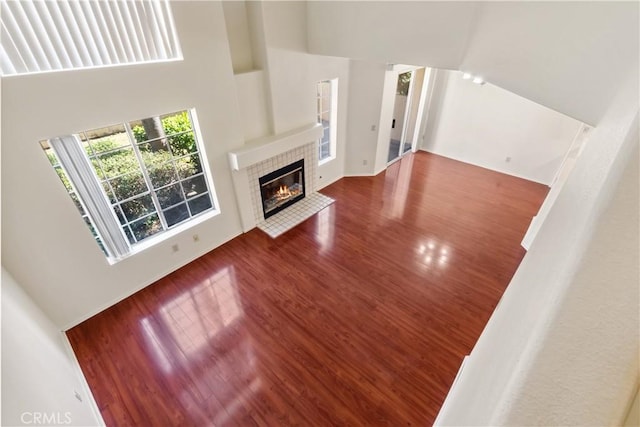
{"x": 295, "y": 214}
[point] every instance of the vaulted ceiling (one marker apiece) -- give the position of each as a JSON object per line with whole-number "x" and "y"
{"x": 568, "y": 56}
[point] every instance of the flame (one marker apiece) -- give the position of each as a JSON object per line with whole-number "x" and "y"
{"x": 283, "y": 192}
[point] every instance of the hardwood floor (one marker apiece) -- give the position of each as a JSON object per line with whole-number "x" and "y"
{"x": 359, "y": 316}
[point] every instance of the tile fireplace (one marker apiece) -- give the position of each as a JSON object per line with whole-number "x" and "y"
{"x": 282, "y": 188}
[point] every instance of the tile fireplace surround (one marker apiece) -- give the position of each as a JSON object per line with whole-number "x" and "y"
{"x": 265, "y": 155}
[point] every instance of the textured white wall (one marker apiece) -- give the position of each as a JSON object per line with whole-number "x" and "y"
{"x": 484, "y": 125}
{"x": 590, "y": 343}
{"x": 561, "y": 347}
{"x": 39, "y": 376}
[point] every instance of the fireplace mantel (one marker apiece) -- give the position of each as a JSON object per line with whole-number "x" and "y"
{"x": 260, "y": 149}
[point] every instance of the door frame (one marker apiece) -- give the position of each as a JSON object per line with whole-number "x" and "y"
{"x": 400, "y": 69}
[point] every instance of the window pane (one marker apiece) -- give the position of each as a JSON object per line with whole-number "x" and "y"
{"x": 134, "y": 209}
{"x": 326, "y": 89}
{"x": 118, "y": 162}
{"x": 63, "y": 177}
{"x": 188, "y": 166}
{"x": 128, "y": 185}
{"x": 107, "y": 190}
{"x": 76, "y": 201}
{"x": 163, "y": 175}
{"x": 97, "y": 168}
{"x": 194, "y": 186}
{"x": 148, "y": 129}
{"x": 120, "y": 215}
{"x": 105, "y": 139}
{"x": 200, "y": 204}
{"x": 176, "y": 214}
{"x": 326, "y": 136}
{"x": 129, "y": 234}
{"x": 176, "y": 122}
{"x": 182, "y": 144}
{"x": 326, "y": 105}
{"x": 53, "y": 159}
{"x": 146, "y": 227}
{"x": 324, "y": 151}
{"x": 170, "y": 196}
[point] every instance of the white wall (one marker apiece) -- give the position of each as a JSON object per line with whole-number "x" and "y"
{"x": 39, "y": 375}
{"x": 484, "y": 125}
{"x": 237, "y": 24}
{"x": 46, "y": 246}
{"x": 431, "y": 33}
{"x": 561, "y": 348}
{"x": 633, "y": 415}
{"x": 366, "y": 84}
{"x": 293, "y": 90}
{"x": 565, "y": 55}
{"x": 253, "y": 102}
{"x": 293, "y": 75}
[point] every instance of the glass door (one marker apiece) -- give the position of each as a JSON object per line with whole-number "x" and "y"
{"x": 401, "y": 134}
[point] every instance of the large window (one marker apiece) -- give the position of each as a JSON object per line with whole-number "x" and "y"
{"x": 327, "y": 91}
{"x": 133, "y": 180}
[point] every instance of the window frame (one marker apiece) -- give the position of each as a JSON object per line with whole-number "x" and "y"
{"x": 116, "y": 244}
{"x": 333, "y": 119}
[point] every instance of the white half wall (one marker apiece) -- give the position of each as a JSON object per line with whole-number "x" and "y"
{"x": 39, "y": 374}
{"x": 496, "y": 129}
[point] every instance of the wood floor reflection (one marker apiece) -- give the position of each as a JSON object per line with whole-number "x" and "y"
{"x": 359, "y": 316}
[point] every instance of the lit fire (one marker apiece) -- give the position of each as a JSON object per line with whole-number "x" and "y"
{"x": 283, "y": 192}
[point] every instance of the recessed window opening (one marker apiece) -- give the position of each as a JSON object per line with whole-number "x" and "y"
{"x": 134, "y": 180}
{"x": 327, "y": 98}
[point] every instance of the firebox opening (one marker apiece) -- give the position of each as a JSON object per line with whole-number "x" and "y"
{"x": 282, "y": 188}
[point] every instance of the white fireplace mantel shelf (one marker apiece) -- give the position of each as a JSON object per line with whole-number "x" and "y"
{"x": 264, "y": 148}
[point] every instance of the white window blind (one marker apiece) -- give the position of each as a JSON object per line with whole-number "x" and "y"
{"x": 42, "y": 36}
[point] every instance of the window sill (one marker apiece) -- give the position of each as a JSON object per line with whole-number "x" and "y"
{"x": 325, "y": 161}
{"x": 153, "y": 241}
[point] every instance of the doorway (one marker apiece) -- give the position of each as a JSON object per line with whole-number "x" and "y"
{"x": 405, "y": 113}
